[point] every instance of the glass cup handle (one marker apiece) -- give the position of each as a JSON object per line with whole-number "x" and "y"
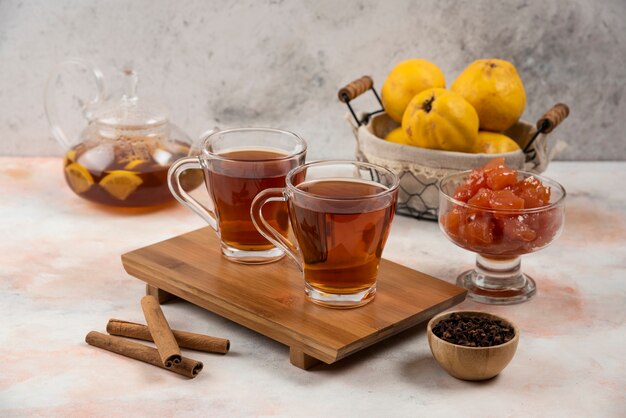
{"x": 173, "y": 182}
{"x": 268, "y": 231}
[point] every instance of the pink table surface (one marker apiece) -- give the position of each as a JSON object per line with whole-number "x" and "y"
{"x": 61, "y": 276}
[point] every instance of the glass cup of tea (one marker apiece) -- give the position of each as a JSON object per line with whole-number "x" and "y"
{"x": 340, "y": 213}
{"x": 238, "y": 164}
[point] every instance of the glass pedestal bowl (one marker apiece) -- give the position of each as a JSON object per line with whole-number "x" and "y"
{"x": 499, "y": 237}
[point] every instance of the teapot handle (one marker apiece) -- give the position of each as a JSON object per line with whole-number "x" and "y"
{"x": 50, "y": 97}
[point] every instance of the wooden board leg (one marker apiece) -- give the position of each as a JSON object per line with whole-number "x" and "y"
{"x": 302, "y": 360}
{"x": 161, "y": 295}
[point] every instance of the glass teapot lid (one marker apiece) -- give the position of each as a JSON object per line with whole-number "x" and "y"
{"x": 129, "y": 112}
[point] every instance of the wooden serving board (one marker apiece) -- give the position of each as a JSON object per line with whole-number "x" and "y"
{"x": 270, "y": 299}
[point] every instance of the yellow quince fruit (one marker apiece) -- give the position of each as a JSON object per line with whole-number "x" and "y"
{"x": 407, "y": 79}
{"x": 493, "y": 143}
{"x": 495, "y": 90}
{"x": 440, "y": 119}
{"x": 398, "y": 136}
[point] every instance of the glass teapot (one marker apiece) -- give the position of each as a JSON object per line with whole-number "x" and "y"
{"x": 122, "y": 156}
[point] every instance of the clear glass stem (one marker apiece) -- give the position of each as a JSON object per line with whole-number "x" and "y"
{"x": 495, "y": 274}
{"x": 497, "y": 281}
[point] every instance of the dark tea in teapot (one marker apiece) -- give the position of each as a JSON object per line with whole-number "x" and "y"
{"x": 127, "y": 172}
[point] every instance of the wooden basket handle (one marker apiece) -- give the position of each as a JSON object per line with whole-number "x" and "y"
{"x": 356, "y": 88}
{"x": 553, "y": 117}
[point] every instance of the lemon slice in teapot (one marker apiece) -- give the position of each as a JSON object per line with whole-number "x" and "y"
{"x": 134, "y": 163}
{"x": 70, "y": 157}
{"x": 120, "y": 184}
{"x": 78, "y": 177}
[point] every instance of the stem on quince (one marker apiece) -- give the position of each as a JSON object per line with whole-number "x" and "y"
{"x": 428, "y": 104}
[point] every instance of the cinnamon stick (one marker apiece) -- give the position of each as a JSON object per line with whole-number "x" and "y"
{"x": 186, "y": 367}
{"x": 160, "y": 331}
{"x": 184, "y": 339}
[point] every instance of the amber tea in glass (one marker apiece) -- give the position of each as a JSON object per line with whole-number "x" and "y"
{"x": 238, "y": 164}
{"x": 233, "y": 182}
{"x": 341, "y": 246}
{"x": 340, "y": 213}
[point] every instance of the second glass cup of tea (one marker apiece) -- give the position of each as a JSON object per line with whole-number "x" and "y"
{"x": 340, "y": 214}
{"x": 238, "y": 164}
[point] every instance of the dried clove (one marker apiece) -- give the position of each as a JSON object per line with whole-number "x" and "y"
{"x": 473, "y": 331}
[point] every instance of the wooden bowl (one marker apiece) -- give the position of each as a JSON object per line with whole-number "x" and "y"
{"x": 471, "y": 363}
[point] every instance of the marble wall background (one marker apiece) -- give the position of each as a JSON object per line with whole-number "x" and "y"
{"x": 280, "y": 63}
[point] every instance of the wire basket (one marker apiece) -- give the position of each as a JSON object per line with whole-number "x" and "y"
{"x": 420, "y": 169}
